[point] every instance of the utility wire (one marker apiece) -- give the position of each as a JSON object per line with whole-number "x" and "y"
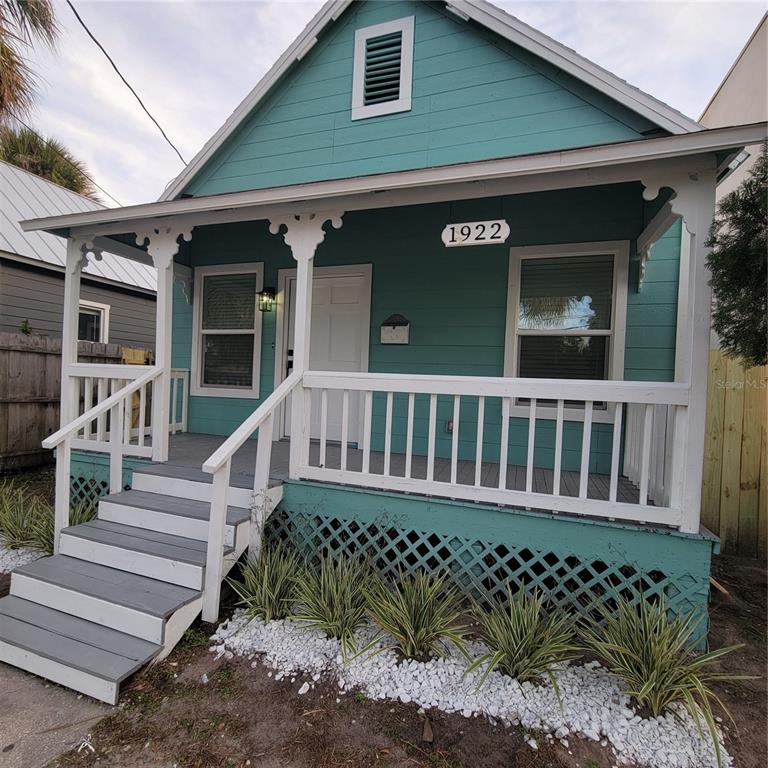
{"x": 65, "y": 158}
{"x": 120, "y": 75}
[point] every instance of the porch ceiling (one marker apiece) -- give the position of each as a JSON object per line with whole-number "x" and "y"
{"x": 588, "y": 166}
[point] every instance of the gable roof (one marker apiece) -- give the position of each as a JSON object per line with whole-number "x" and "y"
{"x": 24, "y": 195}
{"x": 481, "y": 12}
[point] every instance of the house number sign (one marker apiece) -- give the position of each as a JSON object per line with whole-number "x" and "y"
{"x": 475, "y": 233}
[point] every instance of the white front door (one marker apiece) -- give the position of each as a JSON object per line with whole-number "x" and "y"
{"x": 339, "y": 339}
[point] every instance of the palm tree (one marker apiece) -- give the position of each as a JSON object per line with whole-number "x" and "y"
{"x": 22, "y": 22}
{"x": 47, "y": 158}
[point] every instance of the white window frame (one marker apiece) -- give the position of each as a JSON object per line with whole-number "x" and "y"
{"x": 103, "y": 309}
{"x": 619, "y": 249}
{"x": 360, "y": 109}
{"x": 197, "y": 389}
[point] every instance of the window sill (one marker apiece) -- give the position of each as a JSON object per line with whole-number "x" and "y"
{"x": 243, "y": 394}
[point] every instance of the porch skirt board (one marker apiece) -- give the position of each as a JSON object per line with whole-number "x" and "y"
{"x": 579, "y": 564}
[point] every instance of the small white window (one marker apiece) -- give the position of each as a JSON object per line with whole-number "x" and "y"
{"x": 566, "y": 312}
{"x": 93, "y": 322}
{"x": 383, "y": 69}
{"x": 227, "y": 351}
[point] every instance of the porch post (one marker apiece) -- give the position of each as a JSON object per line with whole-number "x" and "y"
{"x": 694, "y": 201}
{"x": 303, "y": 233}
{"x": 162, "y": 245}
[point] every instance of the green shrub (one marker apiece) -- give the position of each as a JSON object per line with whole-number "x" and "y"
{"x": 331, "y": 598}
{"x": 652, "y": 654}
{"x": 523, "y": 641}
{"x": 267, "y": 585}
{"x": 15, "y": 505}
{"x": 418, "y": 612}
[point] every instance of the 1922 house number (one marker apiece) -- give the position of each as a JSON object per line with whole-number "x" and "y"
{"x": 475, "y": 233}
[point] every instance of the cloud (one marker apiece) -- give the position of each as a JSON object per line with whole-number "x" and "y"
{"x": 193, "y": 62}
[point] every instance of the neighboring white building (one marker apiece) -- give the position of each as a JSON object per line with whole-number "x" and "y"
{"x": 742, "y": 98}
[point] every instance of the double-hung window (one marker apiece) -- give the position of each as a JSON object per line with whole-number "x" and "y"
{"x": 567, "y": 305}
{"x": 227, "y": 347}
{"x": 93, "y": 321}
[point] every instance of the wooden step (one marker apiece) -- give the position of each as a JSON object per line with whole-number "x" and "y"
{"x": 190, "y": 483}
{"x": 126, "y": 602}
{"x": 169, "y": 514}
{"x": 175, "y": 559}
{"x": 69, "y": 650}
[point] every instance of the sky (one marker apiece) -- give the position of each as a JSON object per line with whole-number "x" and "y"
{"x": 193, "y": 62}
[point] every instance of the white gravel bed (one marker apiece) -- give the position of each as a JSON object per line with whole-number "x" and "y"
{"x": 15, "y": 558}
{"x": 593, "y": 705}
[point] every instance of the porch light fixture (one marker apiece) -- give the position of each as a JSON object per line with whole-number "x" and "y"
{"x": 266, "y": 299}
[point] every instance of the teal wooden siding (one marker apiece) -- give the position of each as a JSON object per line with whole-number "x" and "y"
{"x": 455, "y": 300}
{"x": 475, "y": 96}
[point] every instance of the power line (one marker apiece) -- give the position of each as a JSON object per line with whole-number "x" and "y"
{"x": 120, "y": 75}
{"x": 66, "y": 159}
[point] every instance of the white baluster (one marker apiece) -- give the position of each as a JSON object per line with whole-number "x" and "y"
{"x": 531, "y": 445}
{"x": 367, "y": 416}
{"x": 142, "y": 413}
{"x": 479, "y": 440}
{"x": 504, "y": 450}
{"x": 174, "y": 405}
{"x": 323, "y": 426}
{"x": 87, "y": 405}
{"x": 214, "y": 563}
{"x": 409, "y": 435}
{"x": 645, "y": 456}
{"x": 117, "y": 416}
{"x": 261, "y": 485}
{"x": 344, "y": 428}
{"x": 455, "y": 438}
{"x": 61, "y": 505}
{"x": 586, "y": 438}
{"x": 558, "y": 449}
{"x": 431, "y": 437}
{"x": 388, "y": 434}
{"x": 615, "y": 450}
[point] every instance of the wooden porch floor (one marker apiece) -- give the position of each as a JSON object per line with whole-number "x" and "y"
{"x": 191, "y": 450}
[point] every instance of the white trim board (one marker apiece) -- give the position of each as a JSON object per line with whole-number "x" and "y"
{"x": 196, "y": 388}
{"x": 481, "y": 12}
{"x": 619, "y": 249}
{"x": 588, "y": 166}
{"x": 281, "y": 331}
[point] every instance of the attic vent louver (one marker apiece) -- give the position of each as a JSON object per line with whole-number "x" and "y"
{"x": 383, "y": 57}
{"x": 383, "y": 69}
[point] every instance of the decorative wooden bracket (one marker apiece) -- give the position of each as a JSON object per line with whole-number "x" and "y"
{"x": 304, "y": 231}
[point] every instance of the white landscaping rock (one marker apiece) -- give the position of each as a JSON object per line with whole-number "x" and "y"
{"x": 592, "y": 704}
{"x": 10, "y": 559}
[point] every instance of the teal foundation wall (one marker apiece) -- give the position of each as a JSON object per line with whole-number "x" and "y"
{"x": 577, "y": 563}
{"x": 89, "y": 473}
{"x": 475, "y": 96}
{"x": 456, "y": 301}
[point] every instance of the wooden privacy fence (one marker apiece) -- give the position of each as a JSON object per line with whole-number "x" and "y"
{"x": 735, "y": 489}
{"x": 30, "y": 388}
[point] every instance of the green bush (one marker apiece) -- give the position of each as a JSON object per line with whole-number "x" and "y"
{"x": 523, "y": 641}
{"x": 267, "y": 585}
{"x": 418, "y": 612}
{"x": 331, "y": 598}
{"x": 652, "y": 654}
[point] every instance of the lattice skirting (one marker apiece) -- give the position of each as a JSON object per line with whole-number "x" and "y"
{"x": 89, "y": 475}
{"x": 577, "y": 563}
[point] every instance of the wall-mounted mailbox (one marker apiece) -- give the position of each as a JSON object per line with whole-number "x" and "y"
{"x": 396, "y": 329}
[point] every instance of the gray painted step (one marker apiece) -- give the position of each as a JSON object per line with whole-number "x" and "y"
{"x": 196, "y": 475}
{"x": 172, "y": 505}
{"x": 153, "y": 543}
{"x": 139, "y": 593}
{"x": 73, "y": 642}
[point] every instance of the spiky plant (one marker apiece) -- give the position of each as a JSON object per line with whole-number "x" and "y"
{"x": 652, "y": 653}
{"x": 15, "y": 502}
{"x": 42, "y": 521}
{"x": 524, "y": 641}
{"x": 331, "y": 598}
{"x": 267, "y": 584}
{"x": 418, "y": 612}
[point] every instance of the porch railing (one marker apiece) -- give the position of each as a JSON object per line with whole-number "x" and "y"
{"x": 219, "y": 464}
{"x": 104, "y": 427}
{"x": 550, "y": 407}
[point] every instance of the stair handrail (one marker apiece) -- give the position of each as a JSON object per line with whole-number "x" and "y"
{"x": 219, "y": 464}
{"x": 61, "y": 440}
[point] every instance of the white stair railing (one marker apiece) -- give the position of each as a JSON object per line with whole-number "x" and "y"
{"x": 550, "y": 403}
{"x": 219, "y": 464}
{"x": 102, "y": 427}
